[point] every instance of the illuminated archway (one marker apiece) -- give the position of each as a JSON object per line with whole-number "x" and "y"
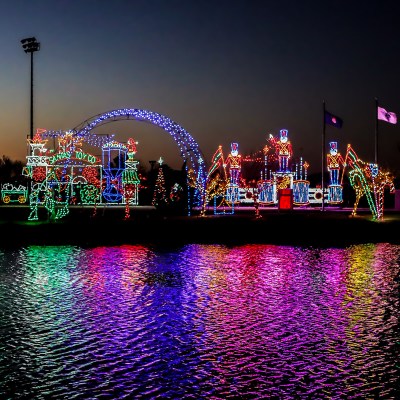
{"x": 189, "y": 148}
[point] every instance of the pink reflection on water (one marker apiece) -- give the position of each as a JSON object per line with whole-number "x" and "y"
{"x": 258, "y": 320}
{"x": 283, "y": 311}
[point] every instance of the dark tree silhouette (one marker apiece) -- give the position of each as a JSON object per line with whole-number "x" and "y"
{"x": 11, "y": 171}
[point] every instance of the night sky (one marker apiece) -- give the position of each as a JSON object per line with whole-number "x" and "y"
{"x": 226, "y": 71}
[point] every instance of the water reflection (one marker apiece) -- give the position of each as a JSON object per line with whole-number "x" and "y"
{"x": 201, "y": 321}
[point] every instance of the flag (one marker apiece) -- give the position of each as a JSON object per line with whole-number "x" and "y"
{"x": 387, "y": 116}
{"x": 333, "y": 120}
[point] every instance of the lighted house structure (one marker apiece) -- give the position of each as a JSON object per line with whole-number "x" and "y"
{"x": 114, "y": 155}
{"x": 69, "y": 175}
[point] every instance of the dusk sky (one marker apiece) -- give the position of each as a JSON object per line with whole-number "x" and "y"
{"x": 226, "y": 71}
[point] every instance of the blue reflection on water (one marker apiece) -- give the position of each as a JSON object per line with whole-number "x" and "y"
{"x": 200, "y": 321}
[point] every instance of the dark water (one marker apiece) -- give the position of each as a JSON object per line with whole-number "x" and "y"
{"x": 200, "y": 322}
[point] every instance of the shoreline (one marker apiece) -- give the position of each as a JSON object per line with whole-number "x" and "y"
{"x": 298, "y": 227}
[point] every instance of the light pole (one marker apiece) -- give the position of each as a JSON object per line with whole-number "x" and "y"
{"x": 30, "y": 45}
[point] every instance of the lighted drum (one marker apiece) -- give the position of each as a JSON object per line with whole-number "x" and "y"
{"x": 232, "y": 194}
{"x": 335, "y": 194}
{"x": 266, "y": 192}
{"x": 300, "y": 192}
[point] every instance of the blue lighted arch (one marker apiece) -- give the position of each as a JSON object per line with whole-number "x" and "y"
{"x": 189, "y": 148}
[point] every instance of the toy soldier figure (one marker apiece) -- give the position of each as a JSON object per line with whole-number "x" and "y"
{"x": 234, "y": 162}
{"x": 284, "y": 150}
{"x": 334, "y": 161}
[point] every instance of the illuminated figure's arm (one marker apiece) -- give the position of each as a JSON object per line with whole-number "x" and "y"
{"x": 217, "y": 162}
{"x": 290, "y": 149}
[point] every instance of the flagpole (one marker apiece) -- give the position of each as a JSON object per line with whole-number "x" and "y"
{"x": 376, "y": 131}
{"x": 323, "y": 154}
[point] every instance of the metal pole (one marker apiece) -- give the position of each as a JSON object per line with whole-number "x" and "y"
{"x": 30, "y": 45}
{"x": 376, "y": 131}
{"x": 323, "y": 154}
{"x": 31, "y": 127}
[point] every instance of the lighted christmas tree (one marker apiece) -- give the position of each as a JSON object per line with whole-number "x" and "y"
{"x": 160, "y": 193}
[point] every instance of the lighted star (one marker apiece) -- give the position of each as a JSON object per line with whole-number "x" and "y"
{"x": 37, "y": 143}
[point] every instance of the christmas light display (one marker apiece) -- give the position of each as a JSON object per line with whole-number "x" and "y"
{"x": 199, "y": 196}
{"x": 69, "y": 175}
{"x": 216, "y": 183}
{"x": 256, "y": 205}
{"x": 284, "y": 151}
{"x": 217, "y": 162}
{"x": 283, "y": 177}
{"x": 113, "y": 161}
{"x": 89, "y": 194}
{"x": 56, "y": 175}
{"x": 369, "y": 181}
{"x": 175, "y": 193}
{"x": 281, "y": 181}
{"x": 255, "y": 192}
{"x": 300, "y": 192}
{"x": 130, "y": 178}
{"x": 189, "y": 149}
{"x": 92, "y": 139}
{"x": 262, "y": 192}
{"x": 301, "y": 185}
{"x": 13, "y": 194}
{"x": 52, "y": 193}
{"x": 265, "y": 186}
{"x": 234, "y": 163}
{"x": 265, "y": 190}
{"x": 115, "y": 179}
{"x": 160, "y": 193}
{"x": 334, "y": 161}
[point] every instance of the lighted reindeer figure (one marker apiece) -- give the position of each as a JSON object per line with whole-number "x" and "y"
{"x": 368, "y": 180}
{"x": 381, "y": 179}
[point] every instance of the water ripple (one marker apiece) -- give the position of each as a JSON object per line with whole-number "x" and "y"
{"x": 199, "y": 321}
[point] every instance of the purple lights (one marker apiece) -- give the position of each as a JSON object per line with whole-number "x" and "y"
{"x": 201, "y": 321}
{"x": 189, "y": 149}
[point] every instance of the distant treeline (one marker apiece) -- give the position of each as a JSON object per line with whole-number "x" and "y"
{"x": 11, "y": 171}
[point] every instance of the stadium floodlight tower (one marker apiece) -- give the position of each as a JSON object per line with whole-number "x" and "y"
{"x": 30, "y": 45}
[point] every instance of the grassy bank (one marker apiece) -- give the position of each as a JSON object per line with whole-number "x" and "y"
{"x": 307, "y": 227}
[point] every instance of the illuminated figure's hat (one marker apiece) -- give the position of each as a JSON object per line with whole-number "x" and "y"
{"x": 333, "y": 145}
{"x": 132, "y": 145}
{"x": 284, "y": 133}
{"x": 234, "y": 149}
